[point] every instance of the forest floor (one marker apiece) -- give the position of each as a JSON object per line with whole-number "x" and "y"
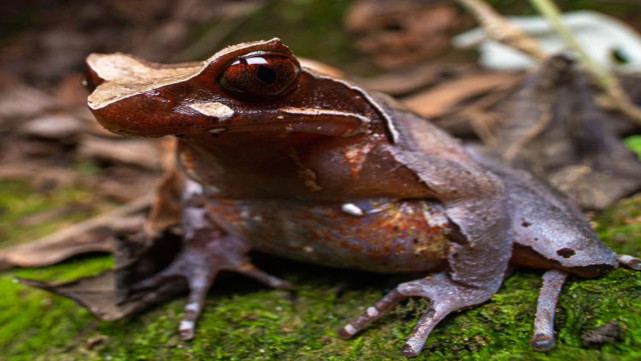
{"x": 245, "y": 321}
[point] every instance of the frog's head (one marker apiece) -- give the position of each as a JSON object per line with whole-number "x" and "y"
{"x": 250, "y": 87}
{"x": 564, "y": 242}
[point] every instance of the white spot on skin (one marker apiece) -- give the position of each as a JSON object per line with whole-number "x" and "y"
{"x": 198, "y": 283}
{"x": 217, "y": 130}
{"x": 213, "y": 109}
{"x": 349, "y": 329}
{"x": 372, "y": 312}
{"x": 351, "y": 208}
{"x": 186, "y": 326}
{"x": 365, "y": 121}
{"x": 194, "y": 307}
{"x": 193, "y": 188}
{"x": 435, "y": 219}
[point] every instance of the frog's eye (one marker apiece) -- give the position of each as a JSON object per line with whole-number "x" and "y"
{"x": 260, "y": 77}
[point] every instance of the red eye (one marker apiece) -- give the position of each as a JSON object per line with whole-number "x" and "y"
{"x": 260, "y": 77}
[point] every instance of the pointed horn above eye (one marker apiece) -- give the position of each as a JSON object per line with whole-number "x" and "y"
{"x": 110, "y": 67}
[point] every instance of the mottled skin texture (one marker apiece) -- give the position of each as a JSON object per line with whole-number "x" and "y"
{"x": 323, "y": 172}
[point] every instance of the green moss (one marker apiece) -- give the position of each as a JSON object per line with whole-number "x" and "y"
{"x": 20, "y": 200}
{"x": 634, "y": 142}
{"x": 40, "y": 325}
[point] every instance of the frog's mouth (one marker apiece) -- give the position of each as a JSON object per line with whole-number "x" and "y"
{"x": 283, "y": 120}
{"x": 526, "y": 256}
{"x": 198, "y": 118}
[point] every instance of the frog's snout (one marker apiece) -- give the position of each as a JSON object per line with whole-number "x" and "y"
{"x": 590, "y": 261}
{"x": 571, "y": 246}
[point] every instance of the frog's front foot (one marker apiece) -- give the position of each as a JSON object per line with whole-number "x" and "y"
{"x": 446, "y": 296}
{"x": 207, "y": 250}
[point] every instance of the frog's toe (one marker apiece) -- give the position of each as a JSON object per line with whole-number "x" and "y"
{"x": 155, "y": 281}
{"x": 373, "y": 313}
{"x": 199, "y": 285}
{"x": 198, "y": 288}
{"x": 629, "y": 261}
{"x": 254, "y": 272}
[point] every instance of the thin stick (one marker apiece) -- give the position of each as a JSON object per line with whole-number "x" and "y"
{"x": 501, "y": 30}
{"x": 608, "y": 82}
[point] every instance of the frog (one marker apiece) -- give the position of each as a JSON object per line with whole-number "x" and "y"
{"x": 286, "y": 159}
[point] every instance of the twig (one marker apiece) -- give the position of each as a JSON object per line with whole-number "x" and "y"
{"x": 609, "y": 83}
{"x": 501, "y": 30}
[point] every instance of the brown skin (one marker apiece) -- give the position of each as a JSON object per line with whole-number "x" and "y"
{"x": 285, "y": 160}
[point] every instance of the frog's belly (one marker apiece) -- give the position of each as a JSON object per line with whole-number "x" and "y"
{"x": 390, "y": 236}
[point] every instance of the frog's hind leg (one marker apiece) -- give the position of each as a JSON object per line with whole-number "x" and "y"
{"x": 446, "y": 296}
{"x": 206, "y": 251}
{"x": 479, "y": 251}
{"x": 543, "y": 339}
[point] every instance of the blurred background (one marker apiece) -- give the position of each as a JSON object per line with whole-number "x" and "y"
{"x": 59, "y": 168}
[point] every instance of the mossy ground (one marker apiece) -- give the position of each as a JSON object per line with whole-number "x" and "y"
{"x": 244, "y": 321}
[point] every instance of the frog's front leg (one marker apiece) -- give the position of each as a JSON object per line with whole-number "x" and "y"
{"x": 477, "y": 258}
{"x": 543, "y": 339}
{"x": 207, "y": 250}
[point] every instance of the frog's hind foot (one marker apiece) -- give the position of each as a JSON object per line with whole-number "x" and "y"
{"x": 446, "y": 296}
{"x": 204, "y": 255}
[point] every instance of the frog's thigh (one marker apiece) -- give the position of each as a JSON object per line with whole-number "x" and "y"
{"x": 474, "y": 201}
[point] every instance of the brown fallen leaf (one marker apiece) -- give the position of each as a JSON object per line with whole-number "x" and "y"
{"x": 401, "y": 83}
{"x": 52, "y": 214}
{"x": 60, "y": 126}
{"x": 404, "y": 32}
{"x": 438, "y": 100}
{"x": 109, "y": 296}
{"x": 551, "y": 124}
{"x": 139, "y": 152}
{"x": 37, "y": 172}
{"x": 22, "y": 101}
{"x": 88, "y": 236}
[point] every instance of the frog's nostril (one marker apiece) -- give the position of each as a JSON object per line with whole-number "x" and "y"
{"x": 566, "y": 252}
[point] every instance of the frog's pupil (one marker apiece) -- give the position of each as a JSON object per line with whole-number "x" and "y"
{"x": 266, "y": 74}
